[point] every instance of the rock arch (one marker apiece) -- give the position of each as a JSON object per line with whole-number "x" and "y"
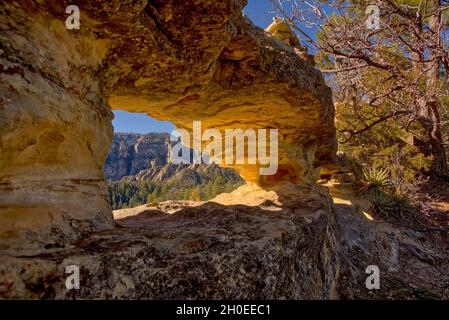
{"x": 58, "y": 86}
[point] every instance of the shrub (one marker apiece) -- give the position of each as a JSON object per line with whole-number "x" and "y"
{"x": 387, "y": 203}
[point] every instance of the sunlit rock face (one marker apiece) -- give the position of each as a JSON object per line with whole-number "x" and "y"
{"x": 174, "y": 60}
{"x": 55, "y": 129}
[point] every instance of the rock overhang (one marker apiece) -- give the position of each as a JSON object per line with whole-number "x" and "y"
{"x": 240, "y": 78}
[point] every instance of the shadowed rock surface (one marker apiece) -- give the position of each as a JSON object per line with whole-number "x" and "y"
{"x": 207, "y": 251}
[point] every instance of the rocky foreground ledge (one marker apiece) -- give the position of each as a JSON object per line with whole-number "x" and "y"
{"x": 265, "y": 250}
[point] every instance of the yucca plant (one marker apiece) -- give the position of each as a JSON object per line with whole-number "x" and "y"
{"x": 383, "y": 203}
{"x": 387, "y": 203}
{"x": 381, "y": 193}
{"x": 377, "y": 178}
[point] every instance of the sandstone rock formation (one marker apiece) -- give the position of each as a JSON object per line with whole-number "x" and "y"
{"x": 55, "y": 129}
{"x": 175, "y": 60}
{"x": 178, "y": 61}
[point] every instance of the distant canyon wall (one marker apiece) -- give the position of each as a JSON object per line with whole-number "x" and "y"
{"x": 131, "y": 153}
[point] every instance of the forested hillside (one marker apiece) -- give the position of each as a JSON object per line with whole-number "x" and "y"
{"x": 139, "y": 171}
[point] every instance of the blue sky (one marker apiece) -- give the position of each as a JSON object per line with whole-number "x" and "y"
{"x": 139, "y": 123}
{"x": 260, "y": 13}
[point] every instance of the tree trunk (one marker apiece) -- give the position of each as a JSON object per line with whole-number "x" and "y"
{"x": 429, "y": 109}
{"x": 433, "y": 145}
